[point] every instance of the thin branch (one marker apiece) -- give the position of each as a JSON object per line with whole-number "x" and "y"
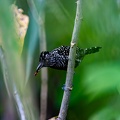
{"x": 71, "y": 64}
{"x": 40, "y": 18}
{"x": 6, "y": 79}
{"x": 44, "y": 71}
{"x": 34, "y": 11}
{"x": 44, "y": 77}
{"x": 5, "y": 73}
{"x": 19, "y": 103}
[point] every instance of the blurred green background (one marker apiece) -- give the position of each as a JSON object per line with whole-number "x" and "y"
{"x": 96, "y": 93}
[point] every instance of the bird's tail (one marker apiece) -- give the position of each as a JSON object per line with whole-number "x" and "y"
{"x": 91, "y": 50}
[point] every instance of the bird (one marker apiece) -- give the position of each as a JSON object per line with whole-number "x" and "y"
{"x": 58, "y": 57}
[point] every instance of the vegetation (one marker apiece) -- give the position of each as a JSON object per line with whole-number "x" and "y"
{"x": 96, "y": 85}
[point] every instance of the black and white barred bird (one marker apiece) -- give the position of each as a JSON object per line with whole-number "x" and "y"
{"x": 58, "y": 58}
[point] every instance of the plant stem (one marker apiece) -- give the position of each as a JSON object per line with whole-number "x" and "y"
{"x": 44, "y": 72}
{"x": 6, "y": 80}
{"x": 71, "y": 63}
{"x": 19, "y": 103}
{"x": 39, "y": 16}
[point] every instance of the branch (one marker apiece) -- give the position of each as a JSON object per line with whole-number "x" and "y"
{"x": 44, "y": 74}
{"x": 44, "y": 71}
{"x": 71, "y": 63}
{"x": 19, "y": 103}
{"x": 6, "y": 80}
{"x": 40, "y": 18}
{"x": 4, "y": 68}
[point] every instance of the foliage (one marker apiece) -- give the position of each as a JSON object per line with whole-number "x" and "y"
{"x": 96, "y": 88}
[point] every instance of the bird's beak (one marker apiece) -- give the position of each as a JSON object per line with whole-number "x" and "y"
{"x": 38, "y": 68}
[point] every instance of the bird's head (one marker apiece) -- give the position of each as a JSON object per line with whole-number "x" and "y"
{"x": 43, "y": 60}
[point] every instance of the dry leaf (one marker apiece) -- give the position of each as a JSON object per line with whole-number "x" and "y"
{"x": 21, "y": 25}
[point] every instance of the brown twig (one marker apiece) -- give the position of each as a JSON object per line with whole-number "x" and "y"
{"x": 71, "y": 63}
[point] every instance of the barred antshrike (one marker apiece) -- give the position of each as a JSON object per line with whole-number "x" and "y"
{"x": 58, "y": 58}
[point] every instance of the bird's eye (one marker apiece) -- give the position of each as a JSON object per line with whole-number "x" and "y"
{"x": 46, "y": 55}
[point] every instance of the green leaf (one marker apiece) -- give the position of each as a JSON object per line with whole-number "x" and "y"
{"x": 101, "y": 78}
